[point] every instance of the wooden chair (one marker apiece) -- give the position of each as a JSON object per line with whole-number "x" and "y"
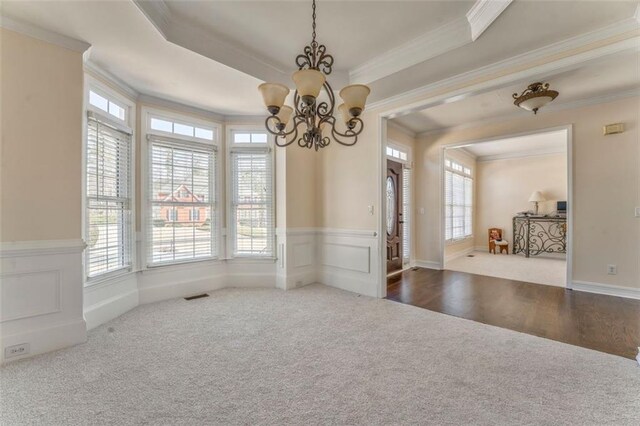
{"x": 495, "y": 240}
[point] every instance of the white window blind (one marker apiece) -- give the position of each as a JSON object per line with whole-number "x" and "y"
{"x": 252, "y": 210}
{"x": 458, "y": 202}
{"x": 406, "y": 214}
{"x": 108, "y": 203}
{"x": 182, "y": 205}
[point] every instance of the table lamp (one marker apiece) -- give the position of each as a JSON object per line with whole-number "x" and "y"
{"x": 535, "y": 198}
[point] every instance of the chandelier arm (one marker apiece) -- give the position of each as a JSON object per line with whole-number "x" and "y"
{"x": 353, "y": 133}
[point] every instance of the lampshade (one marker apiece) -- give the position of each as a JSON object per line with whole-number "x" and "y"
{"x": 536, "y": 197}
{"x": 273, "y": 94}
{"x": 308, "y": 82}
{"x": 344, "y": 112}
{"x": 355, "y": 96}
{"x": 285, "y": 114}
{"x": 533, "y": 104}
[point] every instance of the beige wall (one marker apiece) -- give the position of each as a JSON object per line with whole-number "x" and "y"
{"x": 347, "y": 181}
{"x": 301, "y": 170}
{"x": 41, "y": 153}
{"x": 606, "y": 174}
{"x": 503, "y": 188}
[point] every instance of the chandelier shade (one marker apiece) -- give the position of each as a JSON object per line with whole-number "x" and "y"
{"x": 312, "y": 115}
{"x": 274, "y": 95}
{"x": 284, "y": 115}
{"x": 308, "y": 82}
{"x": 355, "y": 97}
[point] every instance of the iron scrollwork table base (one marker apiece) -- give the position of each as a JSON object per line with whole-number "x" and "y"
{"x": 533, "y": 235}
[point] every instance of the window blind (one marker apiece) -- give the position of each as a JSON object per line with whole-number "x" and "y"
{"x": 252, "y": 213}
{"x": 181, "y": 197}
{"x": 108, "y": 202}
{"x": 406, "y": 214}
{"x": 458, "y": 205}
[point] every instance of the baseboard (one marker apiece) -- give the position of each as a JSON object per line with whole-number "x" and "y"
{"x": 428, "y": 264}
{"x": 47, "y": 339}
{"x": 109, "y": 309}
{"x": 609, "y": 290}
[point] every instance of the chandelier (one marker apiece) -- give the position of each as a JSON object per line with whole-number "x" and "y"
{"x": 534, "y": 97}
{"x": 316, "y": 114}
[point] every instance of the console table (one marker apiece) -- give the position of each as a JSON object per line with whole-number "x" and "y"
{"x": 533, "y": 235}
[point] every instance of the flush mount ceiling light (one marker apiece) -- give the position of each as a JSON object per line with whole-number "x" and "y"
{"x": 535, "y": 97}
{"x": 313, "y": 67}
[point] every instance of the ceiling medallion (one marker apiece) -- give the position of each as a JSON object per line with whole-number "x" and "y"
{"x": 534, "y": 97}
{"x": 313, "y": 67}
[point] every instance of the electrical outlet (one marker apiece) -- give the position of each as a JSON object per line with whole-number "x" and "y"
{"x": 612, "y": 269}
{"x": 370, "y": 208}
{"x": 637, "y": 211}
{"x": 16, "y": 350}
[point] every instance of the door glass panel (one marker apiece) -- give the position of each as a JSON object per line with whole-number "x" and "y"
{"x": 391, "y": 206}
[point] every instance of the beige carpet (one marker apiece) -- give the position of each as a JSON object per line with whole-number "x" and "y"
{"x": 315, "y": 355}
{"x": 538, "y": 270}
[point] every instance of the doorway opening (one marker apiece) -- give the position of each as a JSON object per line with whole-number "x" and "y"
{"x": 505, "y": 206}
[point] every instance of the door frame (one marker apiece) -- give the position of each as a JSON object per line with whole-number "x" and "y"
{"x": 569, "y": 146}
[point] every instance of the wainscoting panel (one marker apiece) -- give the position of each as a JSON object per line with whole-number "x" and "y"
{"x": 41, "y": 292}
{"x": 349, "y": 260}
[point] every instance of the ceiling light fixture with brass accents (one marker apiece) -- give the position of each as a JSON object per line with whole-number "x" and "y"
{"x": 313, "y": 67}
{"x": 534, "y": 97}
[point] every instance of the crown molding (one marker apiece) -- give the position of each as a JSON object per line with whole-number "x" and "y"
{"x": 427, "y": 46}
{"x": 156, "y": 102}
{"x": 537, "y": 63}
{"x": 98, "y": 72}
{"x": 522, "y": 154}
{"x": 483, "y": 13}
{"x": 401, "y": 128}
{"x": 553, "y": 107}
{"x": 34, "y": 31}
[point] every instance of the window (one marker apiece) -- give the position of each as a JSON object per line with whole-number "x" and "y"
{"x": 396, "y": 153}
{"x": 106, "y": 105}
{"x": 406, "y": 214}
{"x": 108, "y": 197}
{"x": 251, "y": 196}
{"x": 181, "y": 201}
{"x": 181, "y": 129}
{"x": 458, "y": 190}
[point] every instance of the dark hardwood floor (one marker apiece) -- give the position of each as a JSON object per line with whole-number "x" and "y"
{"x": 604, "y": 323}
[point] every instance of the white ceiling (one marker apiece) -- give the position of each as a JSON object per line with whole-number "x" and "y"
{"x": 614, "y": 74}
{"x": 536, "y": 144}
{"x": 241, "y": 43}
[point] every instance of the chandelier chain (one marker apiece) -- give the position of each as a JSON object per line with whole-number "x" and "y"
{"x": 313, "y": 25}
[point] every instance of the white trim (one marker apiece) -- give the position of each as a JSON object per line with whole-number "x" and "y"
{"x": 428, "y": 264}
{"x": 347, "y": 233}
{"x": 98, "y": 72}
{"x": 483, "y": 13}
{"x": 34, "y": 31}
{"x": 517, "y": 69}
{"x": 524, "y": 154}
{"x": 41, "y": 247}
{"x": 607, "y": 289}
{"x": 436, "y": 42}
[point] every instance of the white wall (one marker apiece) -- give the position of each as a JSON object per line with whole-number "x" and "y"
{"x": 503, "y": 188}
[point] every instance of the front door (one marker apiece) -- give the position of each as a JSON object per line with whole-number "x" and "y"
{"x": 393, "y": 191}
